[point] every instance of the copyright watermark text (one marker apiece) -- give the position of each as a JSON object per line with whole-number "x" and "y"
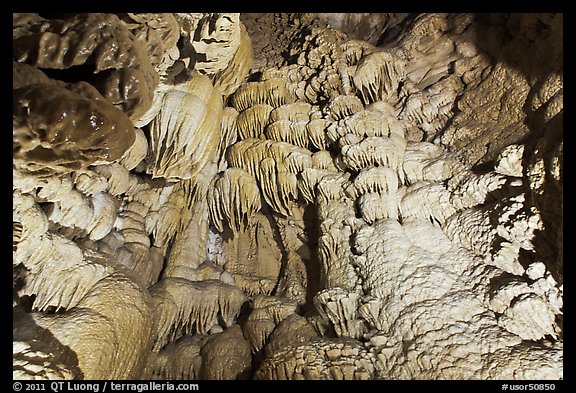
{"x": 102, "y": 386}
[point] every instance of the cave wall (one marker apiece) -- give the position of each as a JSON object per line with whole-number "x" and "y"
{"x": 287, "y": 196}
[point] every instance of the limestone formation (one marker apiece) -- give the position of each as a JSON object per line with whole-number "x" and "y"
{"x": 98, "y": 47}
{"x": 287, "y": 196}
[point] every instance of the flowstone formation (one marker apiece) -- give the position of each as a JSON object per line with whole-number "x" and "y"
{"x": 287, "y": 196}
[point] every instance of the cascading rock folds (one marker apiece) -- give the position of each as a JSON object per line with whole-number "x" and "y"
{"x": 287, "y": 196}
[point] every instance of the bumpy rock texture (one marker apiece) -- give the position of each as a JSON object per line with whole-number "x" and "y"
{"x": 288, "y": 196}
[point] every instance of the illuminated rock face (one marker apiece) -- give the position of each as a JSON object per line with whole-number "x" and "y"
{"x": 288, "y": 196}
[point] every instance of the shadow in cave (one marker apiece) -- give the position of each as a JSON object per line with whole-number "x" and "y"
{"x": 521, "y": 40}
{"x": 548, "y": 198}
{"x": 25, "y": 329}
{"x": 532, "y": 44}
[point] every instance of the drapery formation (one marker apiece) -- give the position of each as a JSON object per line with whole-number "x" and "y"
{"x": 287, "y": 196}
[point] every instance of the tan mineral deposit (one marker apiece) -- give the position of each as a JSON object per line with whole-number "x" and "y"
{"x": 288, "y": 196}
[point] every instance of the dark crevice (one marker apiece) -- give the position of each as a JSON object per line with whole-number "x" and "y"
{"x": 78, "y": 73}
{"x": 313, "y": 270}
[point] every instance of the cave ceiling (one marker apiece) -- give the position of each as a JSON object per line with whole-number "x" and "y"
{"x": 287, "y": 196}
